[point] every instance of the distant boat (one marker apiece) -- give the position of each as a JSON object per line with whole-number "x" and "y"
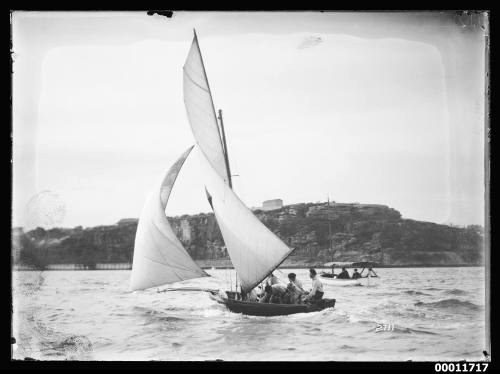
{"x": 332, "y": 277}
{"x": 255, "y": 251}
{"x": 332, "y": 280}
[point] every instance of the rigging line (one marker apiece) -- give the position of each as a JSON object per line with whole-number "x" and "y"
{"x": 230, "y": 280}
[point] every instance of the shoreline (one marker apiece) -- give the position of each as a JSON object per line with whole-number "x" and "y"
{"x": 377, "y": 267}
{"x": 79, "y": 267}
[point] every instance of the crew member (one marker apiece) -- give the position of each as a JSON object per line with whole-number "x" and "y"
{"x": 356, "y": 275}
{"x": 343, "y": 274}
{"x": 272, "y": 279}
{"x": 316, "y": 292}
{"x": 294, "y": 289}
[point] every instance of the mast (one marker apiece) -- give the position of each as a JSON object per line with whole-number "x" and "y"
{"x": 330, "y": 229}
{"x": 224, "y": 144}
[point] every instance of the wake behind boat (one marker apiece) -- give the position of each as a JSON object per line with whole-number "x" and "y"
{"x": 255, "y": 251}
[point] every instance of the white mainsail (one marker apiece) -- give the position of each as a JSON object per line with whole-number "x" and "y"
{"x": 255, "y": 250}
{"x": 200, "y": 110}
{"x": 159, "y": 257}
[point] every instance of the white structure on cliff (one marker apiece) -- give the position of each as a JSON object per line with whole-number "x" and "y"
{"x": 272, "y": 204}
{"x": 126, "y": 221}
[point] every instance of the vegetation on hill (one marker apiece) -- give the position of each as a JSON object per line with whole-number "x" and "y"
{"x": 318, "y": 232}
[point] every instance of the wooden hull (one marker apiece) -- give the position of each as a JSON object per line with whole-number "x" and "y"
{"x": 328, "y": 278}
{"x": 268, "y": 309}
{"x": 342, "y": 282}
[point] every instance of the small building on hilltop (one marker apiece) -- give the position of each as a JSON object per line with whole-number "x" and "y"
{"x": 272, "y": 204}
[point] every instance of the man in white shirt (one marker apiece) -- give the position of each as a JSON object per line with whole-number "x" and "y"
{"x": 316, "y": 292}
{"x": 295, "y": 289}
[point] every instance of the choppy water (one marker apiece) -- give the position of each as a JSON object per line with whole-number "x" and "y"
{"x": 438, "y": 314}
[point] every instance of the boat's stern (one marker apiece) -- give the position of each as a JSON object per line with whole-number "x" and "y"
{"x": 327, "y": 303}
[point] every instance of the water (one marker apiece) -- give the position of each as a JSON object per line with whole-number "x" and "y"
{"x": 437, "y": 313}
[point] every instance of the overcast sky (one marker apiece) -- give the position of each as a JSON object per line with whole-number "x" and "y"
{"x": 382, "y": 108}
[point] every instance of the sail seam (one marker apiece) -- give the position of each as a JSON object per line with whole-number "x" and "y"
{"x": 192, "y": 80}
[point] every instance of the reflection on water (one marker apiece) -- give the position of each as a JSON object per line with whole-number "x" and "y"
{"x": 90, "y": 315}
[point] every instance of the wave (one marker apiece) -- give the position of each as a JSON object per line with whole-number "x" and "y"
{"x": 407, "y": 330}
{"x": 450, "y": 303}
{"x": 455, "y": 291}
{"x": 178, "y": 314}
{"x": 73, "y": 347}
{"x": 153, "y": 315}
{"x": 395, "y": 309}
{"x": 75, "y": 343}
{"x": 412, "y": 292}
{"x": 95, "y": 282}
{"x": 345, "y": 346}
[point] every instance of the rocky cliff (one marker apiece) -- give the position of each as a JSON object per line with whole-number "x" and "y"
{"x": 355, "y": 232}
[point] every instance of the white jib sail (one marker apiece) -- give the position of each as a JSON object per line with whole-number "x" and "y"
{"x": 159, "y": 257}
{"x": 200, "y": 110}
{"x": 255, "y": 250}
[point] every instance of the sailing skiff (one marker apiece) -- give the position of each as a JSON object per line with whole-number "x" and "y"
{"x": 269, "y": 309}
{"x": 255, "y": 251}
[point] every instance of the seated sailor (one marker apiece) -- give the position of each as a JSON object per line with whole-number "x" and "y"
{"x": 371, "y": 273}
{"x": 343, "y": 274}
{"x": 252, "y": 296}
{"x": 272, "y": 279}
{"x": 273, "y": 294}
{"x": 268, "y": 292}
{"x": 356, "y": 275}
{"x": 278, "y": 292}
{"x": 316, "y": 292}
{"x": 294, "y": 289}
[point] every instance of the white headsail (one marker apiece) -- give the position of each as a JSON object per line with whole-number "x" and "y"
{"x": 255, "y": 250}
{"x": 159, "y": 257}
{"x": 200, "y": 110}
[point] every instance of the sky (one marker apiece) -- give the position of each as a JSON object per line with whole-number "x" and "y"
{"x": 376, "y": 108}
